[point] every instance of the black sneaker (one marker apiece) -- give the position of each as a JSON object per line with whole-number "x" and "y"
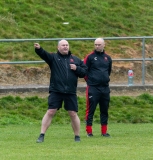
{"x": 106, "y": 135}
{"x": 40, "y": 139}
{"x": 77, "y": 138}
{"x": 89, "y": 135}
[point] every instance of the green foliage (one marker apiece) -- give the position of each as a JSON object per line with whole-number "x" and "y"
{"x": 29, "y": 110}
{"x": 89, "y": 18}
{"x": 132, "y": 109}
{"x": 15, "y": 110}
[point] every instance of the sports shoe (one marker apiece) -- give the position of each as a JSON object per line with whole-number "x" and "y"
{"x": 40, "y": 139}
{"x": 106, "y": 135}
{"x": 89, "y": 135}
{"x": 77, "y": 138}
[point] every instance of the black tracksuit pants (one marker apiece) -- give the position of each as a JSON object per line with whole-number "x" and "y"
{"x": 97, "y": 95}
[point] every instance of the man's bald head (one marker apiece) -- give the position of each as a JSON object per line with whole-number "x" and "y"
{"x": 63, "y": 46}
{"x": 99, "y": 44}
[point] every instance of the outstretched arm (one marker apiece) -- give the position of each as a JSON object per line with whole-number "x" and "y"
{"x": 47, "y": 57}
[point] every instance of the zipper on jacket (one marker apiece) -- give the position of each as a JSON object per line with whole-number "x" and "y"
{"x": 66, "y": 73}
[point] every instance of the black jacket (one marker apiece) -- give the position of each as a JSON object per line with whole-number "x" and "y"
{"x": 63, "y": 79}
{"x": 99, "y": 68}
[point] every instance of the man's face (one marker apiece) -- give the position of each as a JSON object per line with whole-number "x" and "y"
{"x": 63, "y": 47}
{"x": 99, "y": 45}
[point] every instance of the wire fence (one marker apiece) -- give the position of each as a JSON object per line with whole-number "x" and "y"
{"x": 143, "y": 58}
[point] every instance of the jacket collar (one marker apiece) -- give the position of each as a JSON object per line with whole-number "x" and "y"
{"x": 69, "y": 53}
{"x": 99, "y": 52}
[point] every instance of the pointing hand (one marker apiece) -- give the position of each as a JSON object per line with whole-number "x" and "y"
{"x": 37, "y": 45}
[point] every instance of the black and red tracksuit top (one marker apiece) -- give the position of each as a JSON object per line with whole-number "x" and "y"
{"x": 99, "y": 68}
{"x": 63, "y": 79}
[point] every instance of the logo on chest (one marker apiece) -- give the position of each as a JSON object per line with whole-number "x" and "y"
{"x": 95, "y": 58}
{"x": 105, "y": 58}
{"x": 71, "y": 60}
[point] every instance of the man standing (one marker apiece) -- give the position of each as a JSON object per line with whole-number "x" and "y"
{"x": 65, "y": 70}
{"x": 97, "y": 92}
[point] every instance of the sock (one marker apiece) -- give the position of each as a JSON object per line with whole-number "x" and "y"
{"x": 89, "y": 129}
{"x": 103, "y": 129}
{"x": 42, "y": 134}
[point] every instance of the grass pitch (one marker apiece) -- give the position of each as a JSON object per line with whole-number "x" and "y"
{"x": 127, "y": 142}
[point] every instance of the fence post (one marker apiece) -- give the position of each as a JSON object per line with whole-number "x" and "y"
{"x": 143, "y": 61}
